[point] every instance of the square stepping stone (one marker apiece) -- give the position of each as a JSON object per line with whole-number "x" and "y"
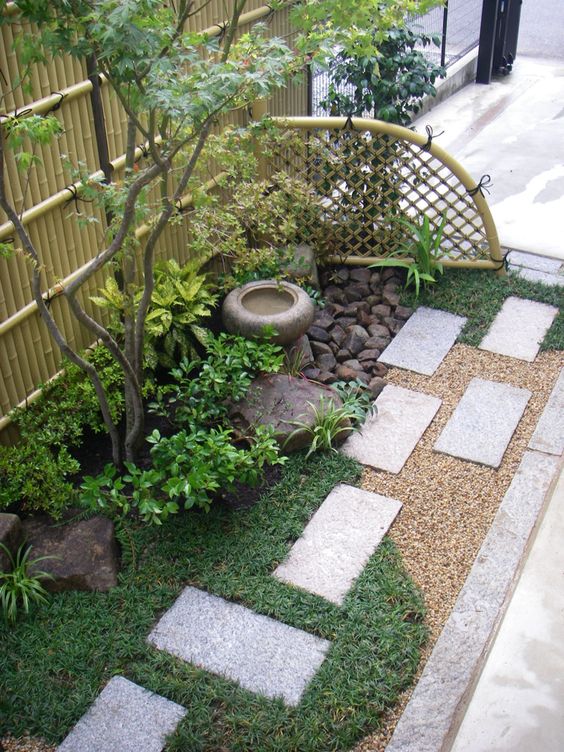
{"x": 387, "y": 439}
{"x": 531, "y": 261}
{"x": 483, "y": 422}
{"x": 533, "y": 275}
{"x": 549, "y": 433}
{"x": 124, "y": 718}
{"x": 424, "y": 340}
{"x": 338, "y": 541}
{"x": 260, "y": 653}
{"x": 519, "y": 328}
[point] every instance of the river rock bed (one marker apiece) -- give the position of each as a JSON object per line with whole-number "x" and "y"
{"x": 361, "y": 315}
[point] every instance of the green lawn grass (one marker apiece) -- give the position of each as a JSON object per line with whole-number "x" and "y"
{"x": 55, "y": 662}
{"x": 480, "y": 294}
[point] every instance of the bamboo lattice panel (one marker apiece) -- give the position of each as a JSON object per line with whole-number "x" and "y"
{"x": 369, "y": 182}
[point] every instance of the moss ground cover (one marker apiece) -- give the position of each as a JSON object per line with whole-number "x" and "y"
{"x": 56, "y": 661}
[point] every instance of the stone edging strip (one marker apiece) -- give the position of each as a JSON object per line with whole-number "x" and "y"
{"x": 435, "y": 710}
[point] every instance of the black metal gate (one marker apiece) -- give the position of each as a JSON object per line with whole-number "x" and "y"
{"x": 457, "y": 23}
{"x": 499, "y": 32}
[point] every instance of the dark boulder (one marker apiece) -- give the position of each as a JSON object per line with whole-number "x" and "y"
{"x": 85, "y": 553}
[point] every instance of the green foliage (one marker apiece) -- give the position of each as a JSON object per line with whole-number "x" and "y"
{"x": 19, "y": 587}
{"x": 181, "y": 299}
{"x": 48, "y": 680}
{"x": 198, "y": 463}
{"x": 357, "y": 399}
{"x": 117, "y": 495}
{"x": 35, "y": 472}
{"x": 188, "y": 467}
{"x": 329, "y": 423}
{"x": 204, "y": 398}
{"x": 423, "y": 251}
{"x": 391, "y": 84}
{"x": 68, "y": 404}
{"x": 253, "y": 222}
{"x": 24, "y": 134}
{"x": 34, "y": 476}
{"x": 201, "y": 459}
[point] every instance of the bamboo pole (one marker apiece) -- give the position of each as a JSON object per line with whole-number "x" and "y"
{"x": 62, "y": 196}
{"x": 245, "y": 19}
{"x": 45, "y": 105}
{"x": 59, "y": 288}
{"x": 453, "y": 263}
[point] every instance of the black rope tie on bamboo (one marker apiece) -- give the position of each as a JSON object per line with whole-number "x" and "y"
{"x": 223, "y": 26}
{"x": 72, "y": 189}
{"x": 430, "y": 137}
{"x": 144, "y": 150}
{"x": 73, "y": 197}
{"x": 57, "y": 105}
{"x": 349, "y": 125}
{"x": 17, "y": 114}
{"x": 503, "y": 264}
{"x": 484, "y": 185}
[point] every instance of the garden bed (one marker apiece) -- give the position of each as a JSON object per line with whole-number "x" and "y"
{"x": 57, "y": 661}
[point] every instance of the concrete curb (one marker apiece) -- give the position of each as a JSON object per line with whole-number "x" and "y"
{"x": 458, "y": 75}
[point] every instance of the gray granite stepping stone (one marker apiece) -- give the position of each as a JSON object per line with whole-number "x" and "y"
{"x": 483, "y": 422}
{"x": 124, "y": 718}
{"x": 549, "y": 433}
{"x": 531, "y": 261}
{"x": 338, "y": 541}
{"x": 533, "y": 275}
{"x": 387, "y": 439}
{"x": 423, "y": 342}
{"x": 519, "y": 328}
{"x": 261, "y": 654}
{"x": 431, "y": 716}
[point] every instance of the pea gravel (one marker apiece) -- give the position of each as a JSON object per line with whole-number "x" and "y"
{"x": 448, "y": 503}
{"x": 26, "y": 744}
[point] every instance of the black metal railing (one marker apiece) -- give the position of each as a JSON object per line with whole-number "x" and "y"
{"x": 458, "y": 25}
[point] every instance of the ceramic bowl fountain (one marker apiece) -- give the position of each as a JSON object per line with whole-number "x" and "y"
{"x": 282, "y": 305}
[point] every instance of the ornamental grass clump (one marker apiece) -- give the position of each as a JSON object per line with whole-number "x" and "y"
{"x": 20, "y": 588}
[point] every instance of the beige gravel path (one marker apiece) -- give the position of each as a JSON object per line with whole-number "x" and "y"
{"x": 449, "y": 503}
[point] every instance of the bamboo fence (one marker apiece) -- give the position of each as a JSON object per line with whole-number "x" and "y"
{"x": 94, "y": 127}
{"x": 369, "y": 174}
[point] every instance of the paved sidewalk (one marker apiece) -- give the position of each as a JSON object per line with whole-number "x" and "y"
{"x": 513, "y": 130}
{"x": 518, "y": 704}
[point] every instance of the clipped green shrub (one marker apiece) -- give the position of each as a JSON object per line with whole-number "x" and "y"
{"x": 35, "y": 476}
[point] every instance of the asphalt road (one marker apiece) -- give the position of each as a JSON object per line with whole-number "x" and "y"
{"x": 541, "y": 31}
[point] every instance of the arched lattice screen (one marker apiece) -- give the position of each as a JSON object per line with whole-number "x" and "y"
{"x": 373, "y": 177}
